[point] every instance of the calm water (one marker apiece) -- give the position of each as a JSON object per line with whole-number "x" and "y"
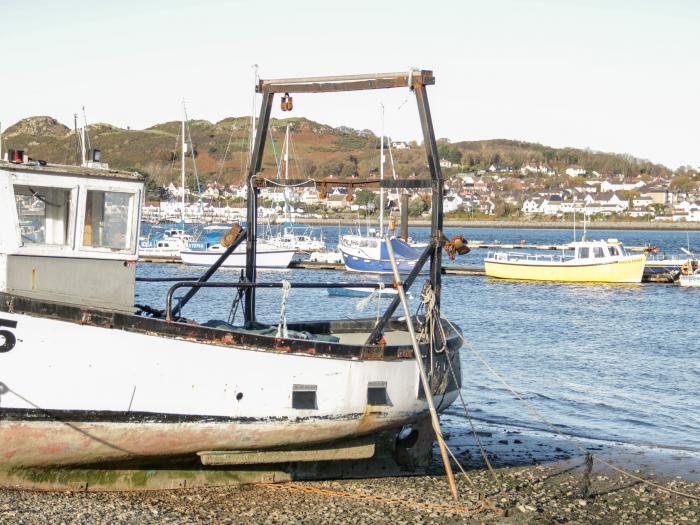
{"x": 617, "y": 362}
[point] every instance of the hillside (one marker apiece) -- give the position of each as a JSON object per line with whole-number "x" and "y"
{"x": 317, "y": 150}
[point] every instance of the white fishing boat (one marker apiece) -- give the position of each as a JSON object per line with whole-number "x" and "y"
{"x": 87, "y": 377}
{"x": 268, "y": 256}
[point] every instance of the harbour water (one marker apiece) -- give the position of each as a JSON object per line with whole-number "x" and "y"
{"x": 614, "y": 363}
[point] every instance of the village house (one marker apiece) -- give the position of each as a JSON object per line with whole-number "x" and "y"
{"x": 575, "y": 171}
{"x": 501, "y": 168}
{"x": 623, "y": 186}
{"x": 542, "y": 169}
{"x": 659, "y": 195}
{"x": 451, "y": 203}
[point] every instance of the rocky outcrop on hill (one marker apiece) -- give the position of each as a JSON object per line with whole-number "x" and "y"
{"x": 42, "y": 126}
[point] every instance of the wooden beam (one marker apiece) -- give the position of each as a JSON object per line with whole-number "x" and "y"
{"x": 410, "y": 79}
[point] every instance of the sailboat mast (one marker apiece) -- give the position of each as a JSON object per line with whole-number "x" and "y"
{"x": 183, "y": 152}
{"x": 252, "y": 111}
{"x": 381, "y": 175}
{"x": 287, "y": 216}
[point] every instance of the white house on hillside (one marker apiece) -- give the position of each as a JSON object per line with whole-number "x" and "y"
{"x": 575, "y": 171}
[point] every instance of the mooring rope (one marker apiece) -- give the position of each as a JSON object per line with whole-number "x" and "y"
{"x": 553, "y": 427}
{"x": 282, "y": 325}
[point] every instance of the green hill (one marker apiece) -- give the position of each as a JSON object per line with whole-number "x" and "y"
{"x": 317, "y": 150}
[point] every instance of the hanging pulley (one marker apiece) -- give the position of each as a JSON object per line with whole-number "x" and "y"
{"x": 286, "y": 103}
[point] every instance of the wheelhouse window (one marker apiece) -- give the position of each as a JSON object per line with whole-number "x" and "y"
{"x": 598, "y": 252}
{"x": 614, "y": 250}
{"x": 583, "y": 252}
{"x": 108, "y": 220}
{"x": 43, "y": 214}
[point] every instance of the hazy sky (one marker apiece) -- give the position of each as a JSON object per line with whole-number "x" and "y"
{"x": 610, "y": 75}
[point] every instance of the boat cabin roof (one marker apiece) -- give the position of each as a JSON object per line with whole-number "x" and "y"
{"x": 66, "y": 170}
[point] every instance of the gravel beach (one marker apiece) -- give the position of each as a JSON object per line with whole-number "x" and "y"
{"x": 551, "y": 493}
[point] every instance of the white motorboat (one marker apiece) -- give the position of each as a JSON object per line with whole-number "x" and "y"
{"x": 326, "y": 256}
{"x": 290, "y": 239}
{"x": 165, "y": 246}
{"x": 690, "y": 273}
{"x": 268, "y": 256}
{"x": 690, "y": 281}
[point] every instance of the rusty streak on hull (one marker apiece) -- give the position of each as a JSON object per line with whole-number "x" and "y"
{"x": 51, "y": 443}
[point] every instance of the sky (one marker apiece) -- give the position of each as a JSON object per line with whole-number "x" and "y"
{"x": 611, "y": 75}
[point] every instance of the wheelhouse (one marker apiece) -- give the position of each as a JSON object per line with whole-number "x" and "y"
{"x": 72, "y": 233}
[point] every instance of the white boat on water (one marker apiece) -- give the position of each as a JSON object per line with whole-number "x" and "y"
{"x": 268, "y": 256}
{"x": 690, "y": 272}
{"x": 165, "y": 246}
{"x": 690, "y": 281}
{"x": 291, "y": 238}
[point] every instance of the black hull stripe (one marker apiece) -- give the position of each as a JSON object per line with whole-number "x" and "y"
{"x": 110, "y": 416}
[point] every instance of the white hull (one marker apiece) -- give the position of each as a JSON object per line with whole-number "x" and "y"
{"x": 74, "y": 393}
{"x": 690, "y": 281}
{"x": 266, "y": 258}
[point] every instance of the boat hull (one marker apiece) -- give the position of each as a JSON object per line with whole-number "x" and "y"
{"x": 73, "y": 393}
{"x": 378, "y": 266}
{"x": 627, "y": 270}
{"x": 273, "y": 259}
{"x": 689, "y": 281}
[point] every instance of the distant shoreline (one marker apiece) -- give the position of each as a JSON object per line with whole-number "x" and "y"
{"x": 526, "y": 225}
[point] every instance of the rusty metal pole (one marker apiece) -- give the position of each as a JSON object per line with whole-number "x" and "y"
{"x": 404, "y": 216}
{"x": 252, "y": 205}
{"x": 438, "y": 190}
{"x": 421, "y": 370}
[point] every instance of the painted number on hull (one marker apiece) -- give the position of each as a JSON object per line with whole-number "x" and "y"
{"x": 7, "y": 338}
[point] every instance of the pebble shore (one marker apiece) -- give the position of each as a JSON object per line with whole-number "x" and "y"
{"x": 551, "y": 494}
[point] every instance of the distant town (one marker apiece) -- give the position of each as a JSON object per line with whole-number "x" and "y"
{"x": 500, "y": 191}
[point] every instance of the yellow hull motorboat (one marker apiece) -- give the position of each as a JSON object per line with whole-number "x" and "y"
{"x": 593, "y": 261}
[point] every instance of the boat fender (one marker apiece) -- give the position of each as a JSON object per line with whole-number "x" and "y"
{"x": 685, "y": 268}
{"x": 230, "y": 236}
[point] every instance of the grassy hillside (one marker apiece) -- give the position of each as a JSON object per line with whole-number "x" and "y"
{"x": 317, "y": 150}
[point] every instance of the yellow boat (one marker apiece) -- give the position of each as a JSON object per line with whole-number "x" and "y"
{"x": 592, "y": 261}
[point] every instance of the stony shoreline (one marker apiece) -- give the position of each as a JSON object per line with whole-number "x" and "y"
{"x": 553, "y": 494}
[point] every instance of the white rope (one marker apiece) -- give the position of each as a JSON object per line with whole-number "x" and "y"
{"x": 285, "y": 185}
{"x": 376, "y": 294}
{"x": 282, "y": 325}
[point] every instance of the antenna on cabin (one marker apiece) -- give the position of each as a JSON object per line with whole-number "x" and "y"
{"x": 87, "y": 136}
{"x": 77, "y": 138}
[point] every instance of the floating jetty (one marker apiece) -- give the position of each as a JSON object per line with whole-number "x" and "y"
{"x": 465, "y": 271}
